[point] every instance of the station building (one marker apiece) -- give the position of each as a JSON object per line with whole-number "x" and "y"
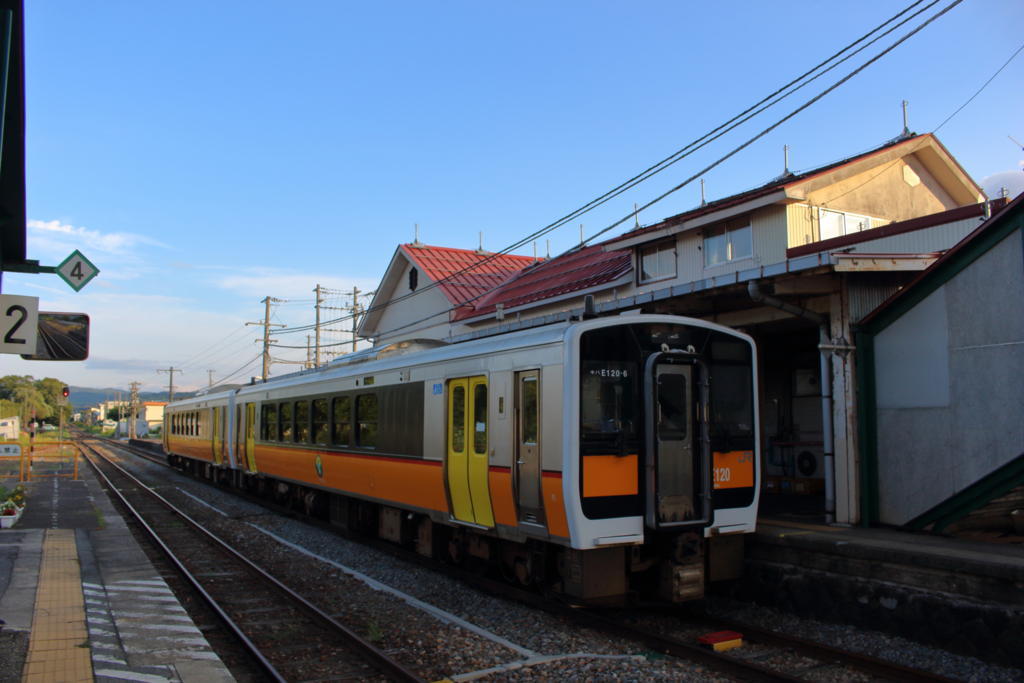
{"x": 798, "y": 263}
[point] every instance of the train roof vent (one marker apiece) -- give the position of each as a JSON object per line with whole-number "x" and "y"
{"x": 217, "y": 388}
{"x": 409, "y": 346}
{"x": 354, "y": 357}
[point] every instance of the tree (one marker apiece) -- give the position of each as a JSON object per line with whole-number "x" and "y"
{"x": 11, "y": 382}
{"x": 9, "y": 408}
{"x": 32, "y": 402}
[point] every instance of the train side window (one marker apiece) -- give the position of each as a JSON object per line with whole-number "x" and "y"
{"x": 302, "y": 421}
{"x": 530, "y": 418}
{"x": 458, "y": 419}
{"x": 321, "y": 427}
{"x": 366, "y": 416}
{"x": 287, "y": 427}
{"x": 480, "y": 418}
{"x": 268, "y": 422}
{"x": 341, "y": 420}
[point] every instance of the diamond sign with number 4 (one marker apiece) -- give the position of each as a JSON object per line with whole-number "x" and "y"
{"x": 77, "y": 271}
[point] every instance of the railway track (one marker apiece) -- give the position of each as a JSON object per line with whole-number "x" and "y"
{"x": 289, "y": 637}
{"x": 764, "y": 656}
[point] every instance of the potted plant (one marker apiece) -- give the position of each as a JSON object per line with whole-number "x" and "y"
{"x": 12, "y": 506}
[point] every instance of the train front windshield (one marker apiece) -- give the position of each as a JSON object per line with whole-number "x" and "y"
{"x": 668, "y": 370}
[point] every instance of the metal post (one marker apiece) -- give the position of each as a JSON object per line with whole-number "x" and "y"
{"x": 355, "y": 314}
{"x": 170, "y": 385}
{"x": 266, "y": 334}
{"x": 316, "y": 327}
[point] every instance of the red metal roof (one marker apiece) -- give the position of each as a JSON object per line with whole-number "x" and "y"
{"x": 572, "y": 272}
{"x": 464, "y": 274}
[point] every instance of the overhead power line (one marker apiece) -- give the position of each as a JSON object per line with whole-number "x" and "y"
{"x": 985, "y": 85}
{"x": 750, "y": 112}
{"x": 785, "y": 118}
{"x": 740, "y": 147}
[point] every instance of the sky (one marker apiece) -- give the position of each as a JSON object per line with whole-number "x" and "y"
{"x": 205, "y": 155}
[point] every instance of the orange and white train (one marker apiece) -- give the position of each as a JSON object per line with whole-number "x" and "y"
{"x": 605, "y": 458}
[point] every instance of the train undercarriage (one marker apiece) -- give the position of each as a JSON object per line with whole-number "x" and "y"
{"x": 669, "y": 567}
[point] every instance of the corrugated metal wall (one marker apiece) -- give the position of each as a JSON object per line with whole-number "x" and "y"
{"x": 801, "y": 228}
{"x": 768, "y": 228}
{"x": 938, "y": 238}
{"x": 866, "y": 297}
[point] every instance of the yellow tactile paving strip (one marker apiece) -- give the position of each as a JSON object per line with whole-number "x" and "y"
{"x": 59, "y": 644}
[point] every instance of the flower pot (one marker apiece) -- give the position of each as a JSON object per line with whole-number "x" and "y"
{"x": 7, "y": 521}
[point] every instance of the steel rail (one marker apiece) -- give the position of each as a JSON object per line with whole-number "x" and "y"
{"x": 746, "y": 670}
{"x": 394, "y": 669}
{"x": 863, "y": 662}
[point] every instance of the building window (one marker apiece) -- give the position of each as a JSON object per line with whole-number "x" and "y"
{"x": 657, "y": 262}
{"x": 727, "y": 243}
{"x": 838, "y": 223}
{"x": 414, "y": 279}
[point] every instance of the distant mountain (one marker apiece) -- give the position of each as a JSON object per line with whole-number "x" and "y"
{"x": 85, "y": 397}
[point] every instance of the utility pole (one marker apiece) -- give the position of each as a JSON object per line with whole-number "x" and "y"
{"x": 133, "y": 411}
{"x": 309, "y": 351}
{"x": 266, "y": 333}
{"x": 210, "y": 380}
{"x": 320, "y": 293}
{"x": 170, "y": 385}
{"x": 316, "y": 327}
{"x": 355, "y": 315}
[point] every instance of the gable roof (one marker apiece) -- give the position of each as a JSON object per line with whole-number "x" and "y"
{"x": 572, "y": 272}
{"x": 464, "y": 274}
{"x": 792, "y": 188}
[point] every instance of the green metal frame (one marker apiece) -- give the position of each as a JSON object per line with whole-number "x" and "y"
{"x": 996, "y": 484}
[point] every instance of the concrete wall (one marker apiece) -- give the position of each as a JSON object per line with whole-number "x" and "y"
{"x": 898, "y": 190}
{"x": 950, "y": 394}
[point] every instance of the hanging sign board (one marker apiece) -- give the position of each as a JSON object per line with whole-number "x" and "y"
{"x": 19, "y": 323}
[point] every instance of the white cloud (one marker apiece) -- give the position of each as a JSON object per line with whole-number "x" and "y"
{"x": 1011, "y": 181}
{"x": 52, "y": 234}
{"x": 283, "y": 285}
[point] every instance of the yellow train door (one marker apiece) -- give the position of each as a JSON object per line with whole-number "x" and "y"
{"x": 216, "y": 440}
{"x": 468, "y": 459}
{"x": 250, "y": 436}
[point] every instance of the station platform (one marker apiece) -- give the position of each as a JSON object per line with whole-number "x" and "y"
{"x": 80, "y": 599}
{"x": 966, "y": 596}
